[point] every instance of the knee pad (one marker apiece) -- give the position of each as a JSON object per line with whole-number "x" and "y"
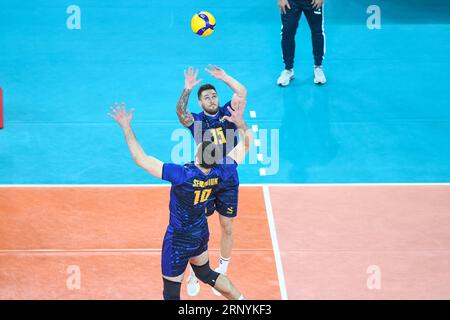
{"x": 205, "y": 274}
{"x": 171, "y": 290}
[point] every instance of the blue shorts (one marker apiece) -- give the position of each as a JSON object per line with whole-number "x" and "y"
{"x": 226, "y": 202}
{"x": 178, "y": 248}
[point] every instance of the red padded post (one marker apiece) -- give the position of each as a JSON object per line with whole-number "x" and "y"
{"x": 1, "y": 108}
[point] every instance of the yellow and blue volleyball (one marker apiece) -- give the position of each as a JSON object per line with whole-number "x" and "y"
{"x": 203, "y": 23}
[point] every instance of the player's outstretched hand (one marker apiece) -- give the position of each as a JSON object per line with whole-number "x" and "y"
{"x": 121, "y": 116}
{"x": 236, "y": 111}
{"x": 237, "y": 100}
{"x": 190, "y": 78}
{"x": 216, "y": 72}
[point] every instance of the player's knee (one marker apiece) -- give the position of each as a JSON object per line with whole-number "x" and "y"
{"x": 289, "y": 30}
{"x": 227, "y": 231}
{"x": 205, "y": 274}
{"x": 226, "y": 224}
{"x": 171, "y": 290}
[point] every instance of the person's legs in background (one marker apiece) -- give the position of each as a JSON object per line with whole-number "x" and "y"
{"x": 316, "y": 24}
{"x": 289, "y": 27}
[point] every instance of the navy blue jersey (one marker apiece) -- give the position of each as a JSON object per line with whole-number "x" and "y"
{"x": 192, "y": 193}
{"x": 215, "y": 129}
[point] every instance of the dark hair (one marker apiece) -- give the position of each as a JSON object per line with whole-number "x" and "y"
{"x": 210, "y": 154}
{"x": 205, "y": 87}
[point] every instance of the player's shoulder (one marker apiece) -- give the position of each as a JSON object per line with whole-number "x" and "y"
{"x": 197, "y": 116}
{"x": 177, "y": 168}
{"x": 189, "y": 166}
{"x": 179, "y": 174}
{"x": 224, "y": 109}
{"x": 226, "y": 105}
{"x": 173, "y": 173}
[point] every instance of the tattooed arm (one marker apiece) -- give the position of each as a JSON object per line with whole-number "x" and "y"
{"x": 190, "y": 81}
{"x": 185, "y": 117}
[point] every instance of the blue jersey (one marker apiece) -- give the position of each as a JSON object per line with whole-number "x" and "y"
{"x": 192, "y": 192}
{"x": 215, "y": 129}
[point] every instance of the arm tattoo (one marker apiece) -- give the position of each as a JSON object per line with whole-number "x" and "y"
{"x": 184, "y": 115}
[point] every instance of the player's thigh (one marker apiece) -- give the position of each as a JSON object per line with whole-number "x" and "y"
{"x": 291, "y": 19}
{"x": 226, "y": 223}
{"x": 315, "y": 20}
{"x": 175, "y": 256}
{"x": 201, "y": 259}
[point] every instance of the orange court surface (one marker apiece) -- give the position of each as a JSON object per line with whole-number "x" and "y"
{"x": 291, "y": 242}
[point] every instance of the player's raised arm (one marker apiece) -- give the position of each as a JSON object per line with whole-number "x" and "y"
{"x": 151, "y": 164}
{"x": 235, "y": 85}
{"x": 237, "y": 117}
{"x": 190, "y": 81}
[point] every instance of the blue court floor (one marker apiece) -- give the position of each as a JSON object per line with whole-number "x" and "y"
{"x": 383, "y": 116}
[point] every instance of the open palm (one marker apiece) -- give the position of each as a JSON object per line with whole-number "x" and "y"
{"x": 121, "y": 116}
{"x": 190, "y": 78}
{"x": 237, "y": 112}
{"x": 216, "y": 72}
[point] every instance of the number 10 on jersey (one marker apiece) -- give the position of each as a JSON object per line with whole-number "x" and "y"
{"x": 201, "y": 195}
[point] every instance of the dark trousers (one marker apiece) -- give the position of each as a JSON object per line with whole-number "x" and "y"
{"x": 290, "y": 22}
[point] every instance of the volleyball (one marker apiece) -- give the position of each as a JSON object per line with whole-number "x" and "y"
{"x": 203, "y": 23}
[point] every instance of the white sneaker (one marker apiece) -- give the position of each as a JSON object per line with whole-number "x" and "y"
{"x": 285, "y": 77}
{"x": 217, "y": 293}
{"x": 193, "y": 286}
{"x": 319, "y": 76}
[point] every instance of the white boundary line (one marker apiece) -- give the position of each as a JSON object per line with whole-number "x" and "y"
{"x": 242, "y": 184}
{"x": 276, "y": 249}
{"x": 345, "y": 184}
